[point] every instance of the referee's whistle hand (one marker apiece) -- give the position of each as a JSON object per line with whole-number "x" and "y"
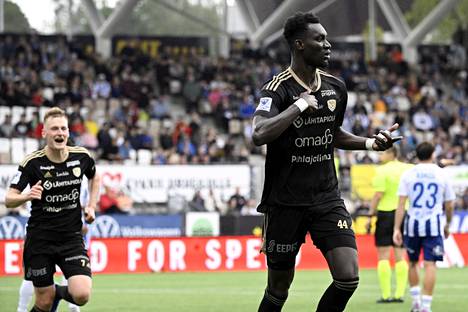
{"x": 397, "y": 239}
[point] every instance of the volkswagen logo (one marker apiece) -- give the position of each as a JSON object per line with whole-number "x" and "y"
{"x": 11, "y": 228}
{"x": 105, "y": 226}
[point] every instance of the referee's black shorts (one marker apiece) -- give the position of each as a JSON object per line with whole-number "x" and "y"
{"x": 384, "y": 229}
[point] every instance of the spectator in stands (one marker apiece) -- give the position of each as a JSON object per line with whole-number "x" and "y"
{"x": 236, "y": 202}
{"x": 191, "y": 93}
{"x": 159, "y": 107}
{"x": 22, "y": 127}
{"x": 140, "y": 139}
{"x": 213, "y": 203}
{"x": 101, "y": 88}
{"x": 6, "y": 127}
{"x": 114, "y": 201}
{"x": 185, "y": 146}
{"x": 165, "y": 138}
{"x": 246, "y": 107}
{"x": 197, "y": 203}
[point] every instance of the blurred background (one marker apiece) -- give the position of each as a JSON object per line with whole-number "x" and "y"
{"x": 162, "y": 93}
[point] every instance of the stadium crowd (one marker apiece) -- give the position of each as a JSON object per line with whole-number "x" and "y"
{"x": 197, "y": 109}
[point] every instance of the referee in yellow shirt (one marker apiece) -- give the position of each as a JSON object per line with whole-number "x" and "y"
{"x": 384, "y": 204}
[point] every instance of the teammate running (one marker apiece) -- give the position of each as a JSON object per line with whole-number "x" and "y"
{"x": 54, "y": 175}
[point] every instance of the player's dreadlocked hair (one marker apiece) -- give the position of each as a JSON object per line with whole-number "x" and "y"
{"x": 296, "y": 25}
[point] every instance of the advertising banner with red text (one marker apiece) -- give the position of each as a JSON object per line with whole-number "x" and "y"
{"x": 230, "y": 253}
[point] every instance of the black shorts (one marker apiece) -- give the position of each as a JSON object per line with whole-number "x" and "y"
{"x": 384, "y": 228}
{"x": 40, "y": 257}
{"x": 285, "y": 229}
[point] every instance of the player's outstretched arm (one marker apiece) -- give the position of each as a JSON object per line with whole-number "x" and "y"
{"x": 90, "y": 209}
{"x": 266, "y": 129}
{"x": 14, "y": 198}
{"x": 381, "y": 142}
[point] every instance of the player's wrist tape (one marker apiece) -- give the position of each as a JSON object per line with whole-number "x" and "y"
{"x": 369, "y": 144}
{"x": 301, "y": 104}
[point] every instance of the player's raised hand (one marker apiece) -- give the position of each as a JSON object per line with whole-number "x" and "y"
{"x": 89, "y": 214}
{"x": 384, "y": 140}
{"x": 311, "y": 100}
{"x": 36, "y": 191}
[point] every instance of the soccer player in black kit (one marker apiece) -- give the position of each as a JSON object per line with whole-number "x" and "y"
{"x": 299, "y": 117}
{"x": 54, "y": 237}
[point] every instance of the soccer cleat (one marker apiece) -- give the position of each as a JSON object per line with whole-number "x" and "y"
{"x": 73, "y": 308}
{"x": 415, "y": 308}
{"x": 398, "y": 300}
{"x": 382, "y": 300}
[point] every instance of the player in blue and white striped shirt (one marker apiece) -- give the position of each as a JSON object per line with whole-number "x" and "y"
{"x": 426, "y": 222}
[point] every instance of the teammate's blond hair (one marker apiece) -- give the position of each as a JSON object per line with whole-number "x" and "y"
{"x": 54, "y": 112}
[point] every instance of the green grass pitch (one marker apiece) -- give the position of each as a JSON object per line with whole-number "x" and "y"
{"x": 239, "y": 292}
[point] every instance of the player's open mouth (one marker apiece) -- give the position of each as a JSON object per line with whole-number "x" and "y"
{"x": 59, "y": 140}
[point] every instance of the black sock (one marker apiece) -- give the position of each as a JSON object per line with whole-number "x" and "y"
{"x": 270, "y": 303}
{"x": 36, "y": 309}
{"x": 337, "y": 295}
{"x": 62, "y": 293}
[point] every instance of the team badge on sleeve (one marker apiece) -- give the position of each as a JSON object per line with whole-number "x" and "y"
{"x": 265, "y": 104}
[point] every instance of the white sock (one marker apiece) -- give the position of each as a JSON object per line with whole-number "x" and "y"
{"x": 426, "y": 302}
{"x": 415, "y": 293}
{"x": 26, "y": 292}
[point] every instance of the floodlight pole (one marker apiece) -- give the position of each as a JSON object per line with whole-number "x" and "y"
{"x": 276, "y": 19}
{"x": 249, "y": 15}
{"x": 2, "y": 16}
{"x": 104, "y": 29}
{"x": 417, "y": 35}
{"x": 276, "y": 35}
{"x": 372, "y": 29}
{"x": 395, "y": 18}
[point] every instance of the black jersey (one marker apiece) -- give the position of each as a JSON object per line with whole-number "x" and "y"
{"x": 57, "y": 215}
{"x": 299, "y": 165}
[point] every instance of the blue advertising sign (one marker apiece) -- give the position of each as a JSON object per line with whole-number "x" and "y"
{"x": 137, "y": 226}
{"x": 105, "y": 226}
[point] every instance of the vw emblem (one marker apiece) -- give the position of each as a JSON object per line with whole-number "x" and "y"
{"x": 105, "y": 226}
{"x": 11, "y": 228}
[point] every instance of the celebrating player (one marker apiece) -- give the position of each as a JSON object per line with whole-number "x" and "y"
{"x": 299, "y": 117}
{"x": 54, "y": 175}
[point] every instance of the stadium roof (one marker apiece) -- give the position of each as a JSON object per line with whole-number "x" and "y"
{"x": 355, "y": 13}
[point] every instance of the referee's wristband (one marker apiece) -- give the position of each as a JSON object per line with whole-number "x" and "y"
{"x": 301, "y": 104}
{"x": 369, "y": 144}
